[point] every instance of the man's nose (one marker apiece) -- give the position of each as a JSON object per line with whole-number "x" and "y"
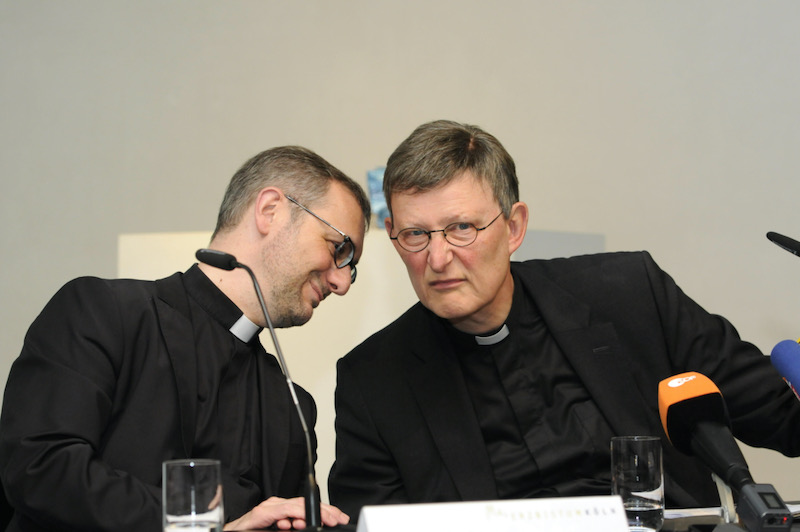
{"x": 339, "y": 280}
{"x": 439, "y": 251}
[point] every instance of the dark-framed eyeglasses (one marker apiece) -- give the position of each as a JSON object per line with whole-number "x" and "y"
{"x": 344, "y": 251}
{"x": 459, "y": 234}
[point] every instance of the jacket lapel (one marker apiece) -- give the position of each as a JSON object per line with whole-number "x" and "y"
{"x": 595, "y": 352}
{"x": 176, "y": 327}
{"x": 437, "y": 382}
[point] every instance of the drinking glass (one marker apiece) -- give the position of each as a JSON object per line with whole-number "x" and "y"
{"x": 637, "y": 476}
{"x": 192, "y": 495}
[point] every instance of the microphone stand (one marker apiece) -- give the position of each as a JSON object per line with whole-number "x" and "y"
{"x": 727, "y": 504}
{"x": 226, "y": 261}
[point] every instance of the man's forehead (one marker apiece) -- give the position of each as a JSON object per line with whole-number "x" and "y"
{"x": 458, "y": 179}
{"x": 341, "y": 209}
{"x": 465, "y": 187}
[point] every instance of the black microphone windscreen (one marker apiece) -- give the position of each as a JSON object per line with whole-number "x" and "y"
{"x": 789, "y": 244}
{"x": 218, "y": 259}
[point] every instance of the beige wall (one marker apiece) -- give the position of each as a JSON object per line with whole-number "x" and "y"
{"x": 667, "y": 126}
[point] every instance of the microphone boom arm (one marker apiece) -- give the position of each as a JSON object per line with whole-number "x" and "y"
{"x": 226, "y": 261}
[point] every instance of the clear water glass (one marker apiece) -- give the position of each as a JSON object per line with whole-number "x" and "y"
{"x": 637, "y": 477}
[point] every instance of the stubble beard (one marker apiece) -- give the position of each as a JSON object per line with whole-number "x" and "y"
{"x": 285, "y": 300}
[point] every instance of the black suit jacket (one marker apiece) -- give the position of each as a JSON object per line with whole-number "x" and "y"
{"x": 407, "y": 432}
{"x": 105, "y": 389}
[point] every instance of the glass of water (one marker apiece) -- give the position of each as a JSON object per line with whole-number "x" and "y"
{"x": 192, "y": 495}
{"x": 637, "y": 476}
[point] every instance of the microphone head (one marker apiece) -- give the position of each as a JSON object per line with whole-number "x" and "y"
{"x": 789, "y": 244}
{"x": 685, "y": 400}
{"x": 218, "y": 259}
{"x": 785, "y": 357}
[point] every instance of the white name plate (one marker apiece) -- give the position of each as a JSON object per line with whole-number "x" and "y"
{"x": 562, "y": 514}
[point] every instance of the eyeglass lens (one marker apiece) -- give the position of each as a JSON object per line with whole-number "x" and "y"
{"x": 458, "y": 234}
{"x": 343, "y": 256}
{"x": 343, "y": 253}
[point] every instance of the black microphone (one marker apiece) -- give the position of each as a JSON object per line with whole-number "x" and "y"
{"x": 789, "y": 244}
{"x": 218, "y": 259}
{"x": 226, "y": 261}
{"x": 695, "y": 419}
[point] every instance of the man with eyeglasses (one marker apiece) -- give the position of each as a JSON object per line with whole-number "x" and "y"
{"x": 507, "y": 380}
{"x": 117, "y": 376}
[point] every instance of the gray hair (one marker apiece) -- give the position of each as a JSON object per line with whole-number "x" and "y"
{"x": 439, "y": 151}
{"x": 297, "y": 171}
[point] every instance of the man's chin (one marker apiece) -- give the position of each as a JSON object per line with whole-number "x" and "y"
{"x": 301, "y": 319}
{"x": 295, "y": 320}
{"x": 448, "y": 311}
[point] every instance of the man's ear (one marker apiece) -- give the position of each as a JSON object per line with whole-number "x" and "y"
{"x": 387, "y": 223}
{"x": 266, "y": 207}
{"x": 517, "y": 226}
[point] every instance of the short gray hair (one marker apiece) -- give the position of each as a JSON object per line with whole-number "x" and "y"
{"x": 437, "y": 152}
{"x": 297, "y": 171}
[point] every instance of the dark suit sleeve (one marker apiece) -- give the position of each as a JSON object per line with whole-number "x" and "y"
{"x": 365, "y": 472}
{"x": 57, "y": 405}
{"x": 763, "y": 410}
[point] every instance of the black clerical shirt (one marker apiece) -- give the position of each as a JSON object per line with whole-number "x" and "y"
{"x": 228, "y": 420}
{"x": 544, "y": 434}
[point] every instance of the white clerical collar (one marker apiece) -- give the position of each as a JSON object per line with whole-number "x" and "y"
{"x": 495, "y": 338}
{"x": 244, "y": 329}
